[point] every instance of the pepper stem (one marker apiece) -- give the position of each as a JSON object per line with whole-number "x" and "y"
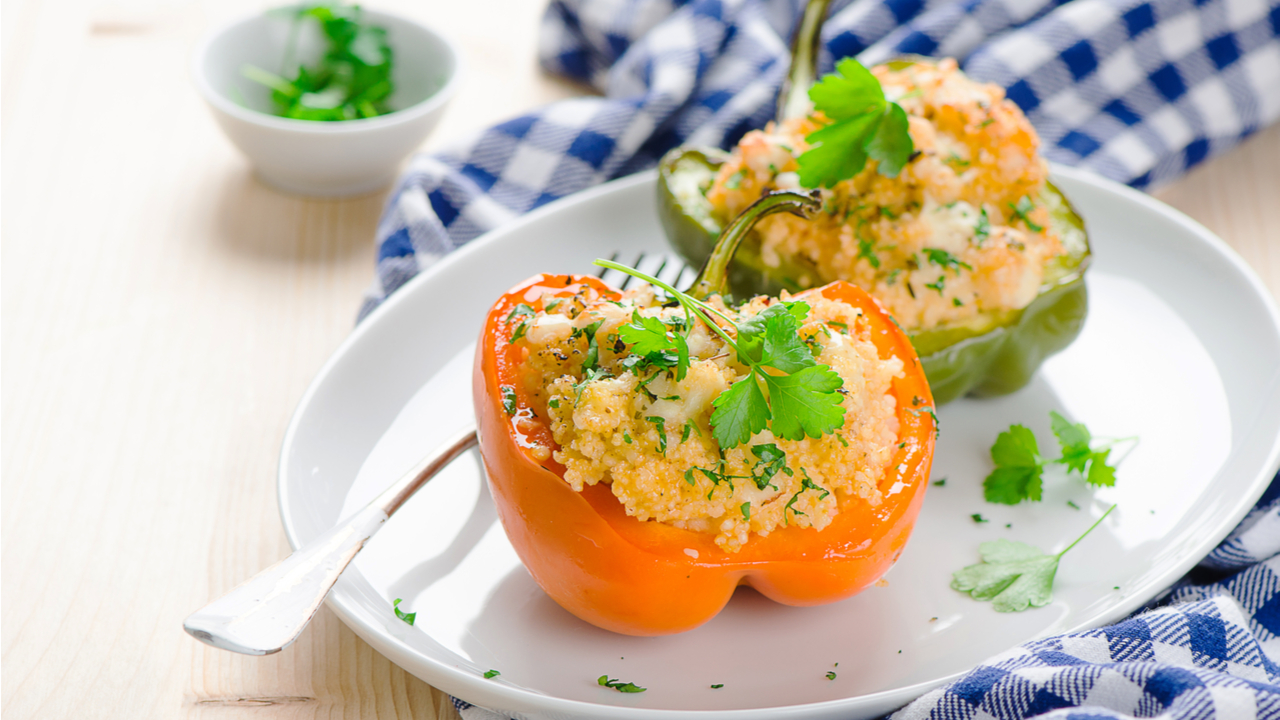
{"x": 713, "y": 279}
{"x": 793, "y": 98}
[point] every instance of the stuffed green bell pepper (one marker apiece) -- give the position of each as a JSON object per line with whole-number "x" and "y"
{"x": 935, "y": 200}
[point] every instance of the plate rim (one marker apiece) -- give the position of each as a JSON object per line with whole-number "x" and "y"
{"x": 457, "y": 681}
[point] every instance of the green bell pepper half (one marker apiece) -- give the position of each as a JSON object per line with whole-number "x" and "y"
{"x": 993, "y": 354}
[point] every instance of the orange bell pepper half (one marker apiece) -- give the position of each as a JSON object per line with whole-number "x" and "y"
{"x": 649, "y": 578}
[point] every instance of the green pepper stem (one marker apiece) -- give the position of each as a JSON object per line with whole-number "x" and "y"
{"x": 714, "y": 277}
{"x": 793, "y": 98}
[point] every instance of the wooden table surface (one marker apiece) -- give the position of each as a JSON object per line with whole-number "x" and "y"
{"x": 163, "y": 312}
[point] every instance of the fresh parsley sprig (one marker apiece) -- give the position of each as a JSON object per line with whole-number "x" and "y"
{"x": 1013, "y": 575}
{"x": 802, "y": 395}
{"x": 864, "y": 126}
{"x": 1019, "y": 467}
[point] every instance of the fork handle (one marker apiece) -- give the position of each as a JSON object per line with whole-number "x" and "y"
{"x": 269, "y": 611}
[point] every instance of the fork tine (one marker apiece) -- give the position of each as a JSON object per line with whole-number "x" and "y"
{"x": 667, "y": 268}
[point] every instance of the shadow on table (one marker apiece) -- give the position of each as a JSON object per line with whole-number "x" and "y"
{"x": 259, "y": 222}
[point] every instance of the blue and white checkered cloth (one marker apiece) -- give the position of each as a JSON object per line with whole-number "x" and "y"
{"x": 1137, "y": 90}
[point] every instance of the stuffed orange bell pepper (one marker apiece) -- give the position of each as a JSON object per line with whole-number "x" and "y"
{"x": 649, "y": 451}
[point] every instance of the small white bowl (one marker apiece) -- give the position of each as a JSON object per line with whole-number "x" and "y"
{"x": 324, "y": 158}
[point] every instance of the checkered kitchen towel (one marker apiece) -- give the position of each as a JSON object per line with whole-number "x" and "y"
{"x": 1137, "y": 90}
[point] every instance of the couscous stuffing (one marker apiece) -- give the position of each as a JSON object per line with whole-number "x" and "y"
{"x": 647, "y": 433}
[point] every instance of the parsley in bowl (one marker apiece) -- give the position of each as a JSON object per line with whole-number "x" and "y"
{"x": 326, "y": 99}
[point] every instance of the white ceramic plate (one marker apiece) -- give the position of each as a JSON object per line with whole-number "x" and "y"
{"x": 1181, "y": 347}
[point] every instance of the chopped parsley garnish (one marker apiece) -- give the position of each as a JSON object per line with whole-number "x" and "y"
{"x": 521, "y": 329}
{"x": 735, "y": 180}
{"x": 353, "y": 78}
{"x": 1012, "y": 575}
{"x": 746, "y": 511}
{"x": 940, "y": 482}
{"x": 803, "y": 399}
{"x": 867, "y": 250}
{"x": 977, "y": 517}
{"x": 946, "y": 260}
{"x": 806, "y": 484}
{"x": 865, "y": 126}
{"x": 1019, "y": 468}
{"x": 957, "y": 302}
{"x": 591, "y": 375}
{"x": 491, "y": 674}
{"x": 605, "y": 681}
{"x": 553, "y": 403}
{"x": 592, "y": 359}
{"x": 939, "y": 284}
{"x": 982, "y": 228}
{"x": 771, "y": 460}
{"x": 508, "y": 399}
{"x": 831, "y": 675}
{"x": 717, "y": 686}
{"x": 626, "y": 437}
{"x": 407, "y": 617}
{"x": 1023, "y": 211}
{"x": 520, "y": 310}
{"x": 689, "y": 427}
{"x": 659, "y": 424}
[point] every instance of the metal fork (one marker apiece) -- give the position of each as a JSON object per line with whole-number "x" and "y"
{"x": 270, "y": 610}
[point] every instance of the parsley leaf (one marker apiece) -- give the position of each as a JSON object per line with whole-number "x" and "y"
{"x": 805, "y": 402}
{"x": 407, "y": 617}
{"x": 655, "y": 344}
{"x": 645, "y": 335}
{"x": 1078, "y": 454}
{"x": 740, "y": 412}
{"x": 864, "y": 126}
{"x": 618, "y": 685}
{"x": 1014, "y": 575}
{"x": 1017, "y": 476}
{"x": 1100, "y": 473}
{"x": 491, "y": 674}
{"x": 1074, "y": 439}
